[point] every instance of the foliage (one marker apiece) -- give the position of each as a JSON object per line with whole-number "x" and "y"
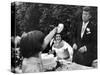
{"x": 44, "y": 17}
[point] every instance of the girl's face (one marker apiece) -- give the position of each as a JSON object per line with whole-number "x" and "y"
{"x": 58, "y": 37}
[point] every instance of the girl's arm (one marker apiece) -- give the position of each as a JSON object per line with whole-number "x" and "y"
{"x": 49, "y": 37}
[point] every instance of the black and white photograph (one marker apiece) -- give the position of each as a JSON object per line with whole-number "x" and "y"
{"x": 49, "y": 37}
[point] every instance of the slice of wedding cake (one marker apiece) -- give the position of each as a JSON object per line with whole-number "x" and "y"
{"x": 48, "y": 61}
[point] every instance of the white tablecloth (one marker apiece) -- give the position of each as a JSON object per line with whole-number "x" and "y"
{"x": 68, "y": 65}
{"x": 72, "y": 66}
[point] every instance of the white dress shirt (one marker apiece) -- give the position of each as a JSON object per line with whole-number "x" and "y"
{"x": 84, "y": 25}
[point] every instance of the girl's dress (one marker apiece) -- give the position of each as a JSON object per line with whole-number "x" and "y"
{"x": 65, "y": 51}
{"x": 32, "y": 65}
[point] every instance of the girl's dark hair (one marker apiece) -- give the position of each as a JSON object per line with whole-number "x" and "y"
{"x": 31, "y": 43}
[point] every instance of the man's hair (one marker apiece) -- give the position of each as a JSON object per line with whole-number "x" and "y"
{"x": 31, "y": 43}
{"x": 87, "y": 9}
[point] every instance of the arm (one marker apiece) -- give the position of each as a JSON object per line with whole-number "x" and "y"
{"x": 70, "y": 49}
{"x": 92, "y": 44}
{"x": 48, "y": 38}
{"x": 51, "y": 42}
{"x": 74, "y": 36}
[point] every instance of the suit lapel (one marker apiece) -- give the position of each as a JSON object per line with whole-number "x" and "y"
{"x": 80, "y": 30}
{"x": 85, "y": 30}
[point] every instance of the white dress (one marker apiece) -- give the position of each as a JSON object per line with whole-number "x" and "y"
{"x": 61, "y": 51}
{"x": 32, "y": 65}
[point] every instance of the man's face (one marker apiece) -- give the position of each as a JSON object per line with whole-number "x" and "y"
{"x": 86, "y": 16}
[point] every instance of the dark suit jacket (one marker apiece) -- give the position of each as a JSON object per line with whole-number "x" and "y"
{"x": 89, "y": 40}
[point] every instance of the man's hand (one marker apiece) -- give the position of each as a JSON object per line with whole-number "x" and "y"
{"x": 83, "y": 49}
{"x": 95, "y": 63}
{"x": 74, "y": 46}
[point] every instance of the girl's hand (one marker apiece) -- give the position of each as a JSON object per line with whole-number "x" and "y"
{"x": 58, "y": 58}
{"x": 50, "y": 52}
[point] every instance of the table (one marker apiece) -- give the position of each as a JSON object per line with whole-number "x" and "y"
{"x": 73, "y": 66}
{"x": 68, "y": 65}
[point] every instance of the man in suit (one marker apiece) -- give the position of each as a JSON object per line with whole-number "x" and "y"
{"x": 85, "y": 40}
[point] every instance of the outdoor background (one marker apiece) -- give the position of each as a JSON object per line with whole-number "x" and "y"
{"x": 26, "y": 17}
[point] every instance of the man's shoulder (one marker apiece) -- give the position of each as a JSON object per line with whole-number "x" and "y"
{"x": 93, "y": 23}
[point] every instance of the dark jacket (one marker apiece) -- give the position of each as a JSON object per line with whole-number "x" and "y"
{"x": 89, "y": 40}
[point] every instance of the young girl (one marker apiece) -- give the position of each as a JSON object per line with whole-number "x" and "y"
{"x": 31, "y": 46}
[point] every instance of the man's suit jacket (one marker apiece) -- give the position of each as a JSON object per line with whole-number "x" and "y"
{"x": 89, "y": 40}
